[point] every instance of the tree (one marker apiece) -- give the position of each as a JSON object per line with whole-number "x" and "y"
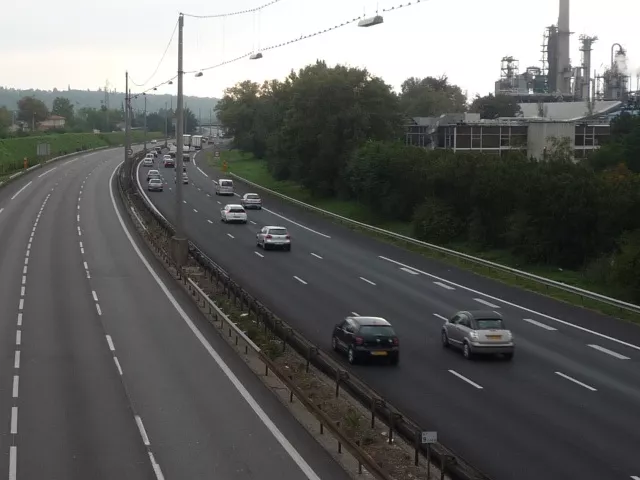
{"x": 6, "y": 119}
{"x": 623, "y": 146}
{"x": 191, "y": 122}
{"x": 30, "y": 109}
{"x": 491, "y": 107}
{"x": 64, "y": 108}
{"x": 430, "y": 97}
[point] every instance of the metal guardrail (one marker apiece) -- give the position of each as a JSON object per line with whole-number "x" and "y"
{"x": 582, "y": 293}
{"x": 444, "y": 458}
{"x": 354, "y": 449}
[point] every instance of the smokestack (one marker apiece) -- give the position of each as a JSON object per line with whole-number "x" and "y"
{"x": 563, "y": 81}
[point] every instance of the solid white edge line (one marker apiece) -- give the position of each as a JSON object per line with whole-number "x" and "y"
{"x": 539, "y": 324}
{"x": 609, "y": 352}
{"x": 275, "y": 431}
{"x": 577, "y": 382}
{"x": 520, "y": 307}
{"x": 21, "y": 190}
{"x": 13, "y": 462}
{"x": 462, "y": 377}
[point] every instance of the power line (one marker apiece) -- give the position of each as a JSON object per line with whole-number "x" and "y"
{"x": 232, "y": 14}
{"x": 289, "y": 42}
{"x": 173, "y": 34}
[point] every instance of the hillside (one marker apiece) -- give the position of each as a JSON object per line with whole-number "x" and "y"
{"x": 91, "y": 98}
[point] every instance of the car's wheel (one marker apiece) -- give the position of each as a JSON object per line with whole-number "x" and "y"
{"x": 466, "y": 351}
{"x": 257, "y": 244}
{"x": 508, "y": 356}
{"x": 334, "y": 344}
{"x": 445, "y": 339}
{"x": 351, "y": 356}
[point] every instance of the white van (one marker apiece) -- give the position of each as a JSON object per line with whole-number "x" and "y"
{"x": 224, "y": 187}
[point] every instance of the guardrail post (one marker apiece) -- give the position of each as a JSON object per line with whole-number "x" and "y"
{"x": 393, "y": 418}
{"x": 311, "y": 351}
{"x": 374, "y": 403}
{"x": 416, "y": 459}
{"x": 360, "y": 463}
{"x": 339, "y": 442}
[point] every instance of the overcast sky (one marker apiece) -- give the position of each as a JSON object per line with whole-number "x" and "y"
{"x": 83, "y": 44}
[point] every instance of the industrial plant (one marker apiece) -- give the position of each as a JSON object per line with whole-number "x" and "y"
{"x": 556, "y": 80}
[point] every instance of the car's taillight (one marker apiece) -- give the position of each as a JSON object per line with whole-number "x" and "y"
{"x": 288, "y": 237}
{"x": 359, "y": 340}
{"x": 268, "y": 236}
{"x": 395, "y": 341}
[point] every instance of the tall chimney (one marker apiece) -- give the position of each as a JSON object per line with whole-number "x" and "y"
{"x": 564, "y": 70}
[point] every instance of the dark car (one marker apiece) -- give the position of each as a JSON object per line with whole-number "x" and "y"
{"x": 158, "y": 149}
{"x": 365, "y": 338}
{"x": 186, "y": 158}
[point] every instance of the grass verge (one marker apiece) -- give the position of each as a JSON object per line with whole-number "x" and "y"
{"x": 254, "y": 170}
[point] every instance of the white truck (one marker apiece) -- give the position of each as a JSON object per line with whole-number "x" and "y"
{"x": 186, "y": 143}
{"x": 196, "y": 142}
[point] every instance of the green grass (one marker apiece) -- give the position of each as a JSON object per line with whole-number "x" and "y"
{"x": 246, "y": 166}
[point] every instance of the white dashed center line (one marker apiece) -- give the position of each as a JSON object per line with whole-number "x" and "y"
{"x": 316, "y": 255}
{"x": 444, "y": 285}
{"x": 484, "y": 302}
{"x": 367, "y": 281}
{"x": 300, "y": 280}
{"x": 609, "y": 352}
{"x": 230, "y": 236}
{"x": 539, "y": 324}
{"x": 462, "y": 377}
{"x": 576, "y": 381}
{"x": 408, "y": 270}
{"x": 259, "y": 254}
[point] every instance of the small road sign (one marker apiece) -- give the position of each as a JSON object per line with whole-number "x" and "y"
{"x": 429, "y": 437}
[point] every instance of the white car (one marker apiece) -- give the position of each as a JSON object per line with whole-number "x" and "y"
{"x": 251, "y": 200}
{"x": 273, "y": 237}
{"x": 233, "y": 213}
{"x": 153, "y": 174}
{"x": 147, "y": 162}
{"x": 154, "y": 141}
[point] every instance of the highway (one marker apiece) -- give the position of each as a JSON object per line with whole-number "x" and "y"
{"x": 108, "y": 369}
{"x": 565, "y": 407}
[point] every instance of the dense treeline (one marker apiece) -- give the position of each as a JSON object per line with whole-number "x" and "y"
{"x": 337, "y": 131}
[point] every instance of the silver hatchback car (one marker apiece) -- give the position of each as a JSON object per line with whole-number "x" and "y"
{"x": 478, "y": 332}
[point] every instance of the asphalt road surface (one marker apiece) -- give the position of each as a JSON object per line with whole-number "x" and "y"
{"x": 565, "y": 407}
{"x": 108, "y": 371}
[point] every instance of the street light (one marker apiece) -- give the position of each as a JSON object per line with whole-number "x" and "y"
{"x": 255, "y": 56}
{"x": 145, "y": 122}
{"x": 371, "y": 21}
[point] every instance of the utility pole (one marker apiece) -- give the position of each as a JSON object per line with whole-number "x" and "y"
{"x": 145, "y": 123}
{"x": 200, "y": 120}
{"x": 180, "y": 243}
{"x": 127, "y": 133}
{"x": 166, "y": 125}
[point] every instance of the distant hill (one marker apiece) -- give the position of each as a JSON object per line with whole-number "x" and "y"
{"x": 90, "y": 98}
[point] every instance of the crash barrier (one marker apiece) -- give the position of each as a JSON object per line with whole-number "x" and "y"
{"x": 582, "y": 293}
{"x": 449, "y": 463}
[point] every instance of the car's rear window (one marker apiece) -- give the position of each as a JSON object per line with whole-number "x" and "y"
{"x": 226, "y": 183}
{"x": 253, "y": 196}
{"x": 236, "y": 210}
{"x": 375, "y": 330}
{"x": 490, "y": 324}
{"x": 277, "y": 231}
{"x": 155, "y": 180}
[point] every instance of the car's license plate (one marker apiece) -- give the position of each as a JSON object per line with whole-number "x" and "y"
{"x": 494, "y": 337}
{"x": 379, "y": 353}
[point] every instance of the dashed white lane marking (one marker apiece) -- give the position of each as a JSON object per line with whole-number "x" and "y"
{"x": 571, "y": 379}
{"x": 115, "y": 360}
{"x": 143, "y": 432}
{"x": 18, "y": 337}
{"x": 13, "y": 462}
{"x": 156, "y": 467}
{"x": 19, "y": 322}
{"x": 200, "y": 170}
{"x": 1, "y": 210}
{"x": 184, "y": 201}
{"x": 441, "y": 317}
{"x": 21, "y": 190}
{"x": 609, "y": 352}
{"x": 24, "y": 279}
{"x": 78, "y": 218}
{"x": 21, "y": 304}
{"x": 252, "y": 222}
{"x": 539, "y": 324}
{"x": 484, "y": 302}
{"x": 195, "y": 211}
{"x": 316, "y": 255}
{"x": 253, "y": 404}
{"x": 24, "y": 269}
{"x": 209, "y": 221}
{"x": 408, "y": 270}
{"x": 259, "y": 254}
{"x": 16, "y": 386}
{"x": 300, "y": 280}
{"x": 95, "y": 296}
{"x": 98, "y": 309}
{"x": 519, "y": 307}
{"x": 635, "y": 478}
{"x": 14, "y": 420}
{"x": 110, "y": 342}
{"x": 231, "y": 236}
{"x": 16, "y": 359}
{"x": 367, "y": 281}
{"x": 355, "y": 314}
{"x": 219, "y": 202}
{"x": 444, "y": 285}
{"x": 462, "y": 377}
{"x": 22, "y": 291}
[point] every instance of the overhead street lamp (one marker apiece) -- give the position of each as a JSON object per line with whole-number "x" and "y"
{"x": 371, "y": 21}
